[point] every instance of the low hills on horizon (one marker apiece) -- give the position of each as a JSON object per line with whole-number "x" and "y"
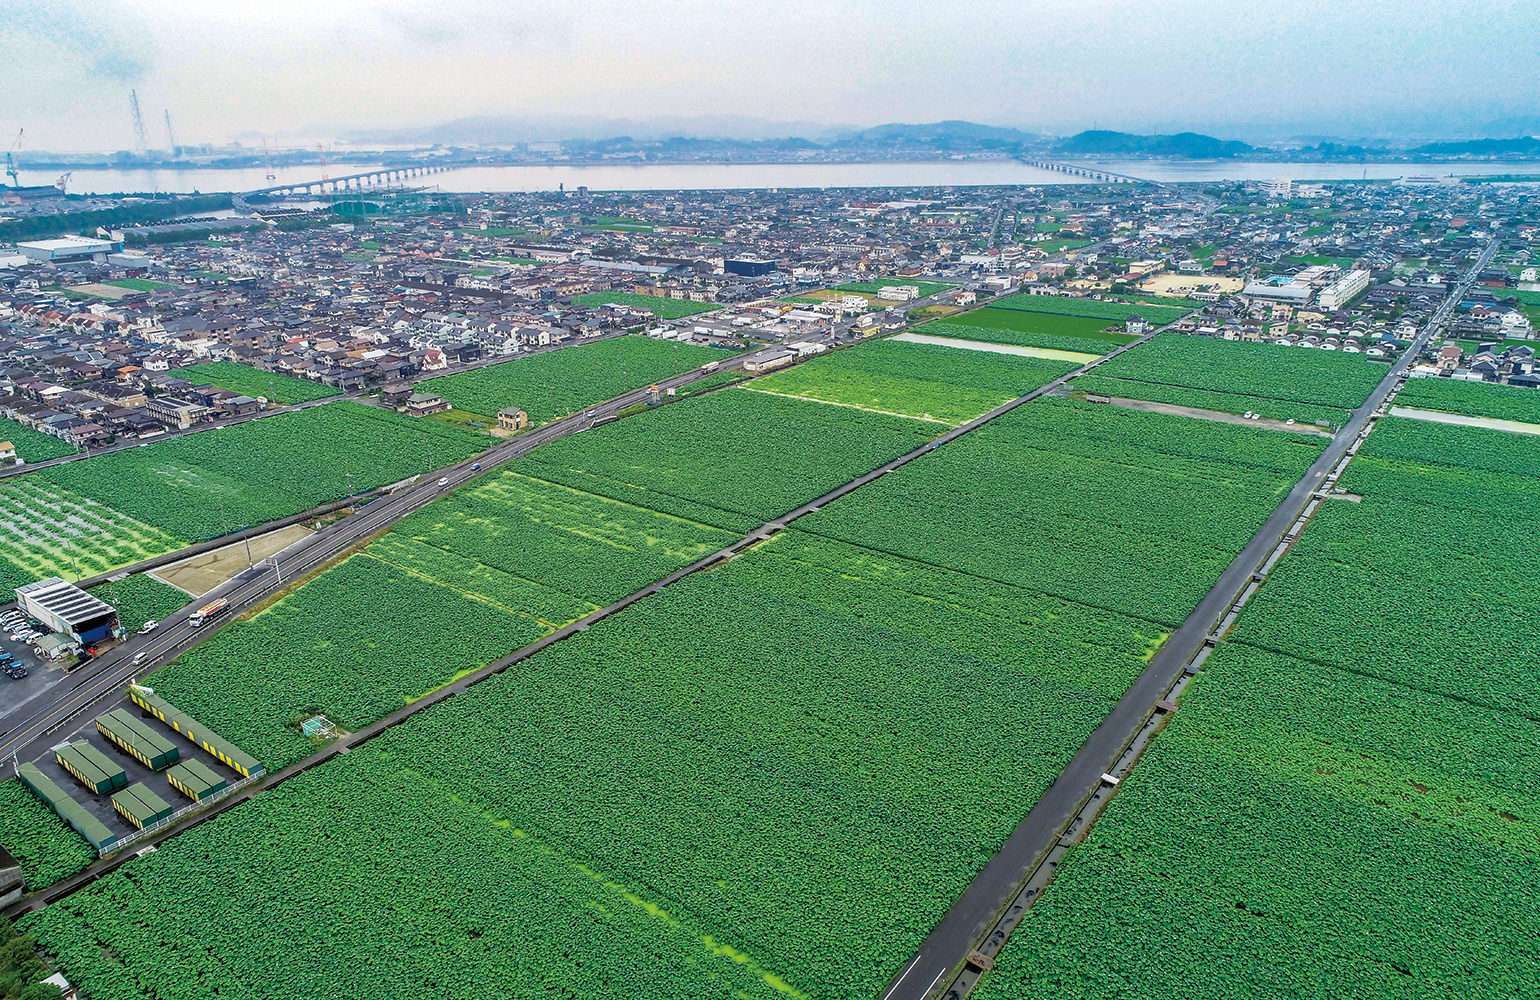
{"x": 728, "y": 133}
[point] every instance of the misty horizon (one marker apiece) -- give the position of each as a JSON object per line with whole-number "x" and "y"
{"x": 301, "y": 73}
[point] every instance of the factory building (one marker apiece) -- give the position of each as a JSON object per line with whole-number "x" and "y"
{"x": 70, "y": 248}
{"x": 64, "y": 607}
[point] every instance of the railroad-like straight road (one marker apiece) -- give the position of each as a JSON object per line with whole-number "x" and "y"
{"x": 968, "y": 920}
{"x": 32, "y": 728}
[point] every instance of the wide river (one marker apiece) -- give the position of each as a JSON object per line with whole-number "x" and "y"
{"x": 697, "y": 176}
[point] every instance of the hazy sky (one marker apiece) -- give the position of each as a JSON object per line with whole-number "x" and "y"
{"x": 314, "y": 67}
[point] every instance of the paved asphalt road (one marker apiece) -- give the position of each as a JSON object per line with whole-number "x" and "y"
{"x": 992, "y": 889}
{"x": 29, "y": 730}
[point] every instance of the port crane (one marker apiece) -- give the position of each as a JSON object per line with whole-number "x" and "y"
{"x": 10, "y": 159}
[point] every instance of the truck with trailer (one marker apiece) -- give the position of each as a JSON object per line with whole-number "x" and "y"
{"x": 211, "y": 610}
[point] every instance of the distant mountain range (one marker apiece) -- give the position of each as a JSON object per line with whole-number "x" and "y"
{"x": 729, "y": 135}
{"x": 1524, "y": 146}
{"x": 1183, "y": 145}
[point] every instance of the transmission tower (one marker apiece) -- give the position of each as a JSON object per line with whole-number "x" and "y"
{"x": 170, "y": 135}
{"x": 141, "y": 144}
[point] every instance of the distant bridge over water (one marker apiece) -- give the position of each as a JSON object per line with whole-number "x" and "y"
{"x": 384, "y": 178}
{"x": 1090, "y": 173}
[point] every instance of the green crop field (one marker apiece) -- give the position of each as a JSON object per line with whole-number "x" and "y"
{"x": 1014, "y": 326}
{"x": 927, "y": 288}
{"x": 1325, "y": 378}
{"x": 732, "y": 459}
{"x": 1473, "y": 399}
{"x": 356, "y": 643}
{"x": 513, "y": 557}
{"x": 1423, "y": 443}
{"x": 611, "y": 818}
{"x": 516, "y": 555}
{"x": 1158, "y": 315}
{"x": 31, "y": 445}
{"x": 1204, "y": 399}
{"x": 551, "y": 384}
{"x": 925, "y": 381}
{"x": 277, "y": 388}
{"x": 660, "y": 307}
{"x": 35, "y": 836}
{"x": 204, "y": 485}
{"x": 1345, "y": 805}
{"x": 48, "y": 530}
{"x": 1300, "y": 831}
{"x": 1132, "y": 511}
{"x": 140, "y": 284}
{"x": 1450, "y": 491}
{"x": 141, "y": 598}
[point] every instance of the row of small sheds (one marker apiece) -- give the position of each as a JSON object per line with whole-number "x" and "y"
{"x": 90, "y": 767}
{"x": 88, "y": 826}
{"x": 139, "y": 804}
{"x": 239, "y": 760}
{"x": 140, "y": 741}
{"x": 195, "y": 779}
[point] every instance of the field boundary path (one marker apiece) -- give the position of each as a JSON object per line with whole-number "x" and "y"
{"x": 250, "y": 587}
{"x": 952, "y": 951}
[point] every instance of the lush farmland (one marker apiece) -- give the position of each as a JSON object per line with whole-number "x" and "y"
{"x": 732, "y": 459}
{"x": 1136, "y": 512}
{"x": 924, "y": 381}
{"x": 1299, "y": 831}
{"x": 1205, "y": 399}
{"x": 46, "y": 847}
{"x": 810, "y": 694}
{"x": 1345, "y": 803}
{"x": 554, "y": 383}
{"x": 1157, "y": 315}
{"x": 660, "y": 307}
{"x": 31, "y": 445}
{"x": 204, "y": 485}
{"x": 1025, "y": 329}
{"x": 356, "y": 643}
{"x": 1449, "y": 517}
{"x": 275, "y": 387}
{"x": 141, "y": 598}
{"x": 48, "y": 530}
{"x": 493, "y": 567}
{"x": 1325, "y": 378}
{"x": 927, "y": 288}
{"x": 1473, "y": 399}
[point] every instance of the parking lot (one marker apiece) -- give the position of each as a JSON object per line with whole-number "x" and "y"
{"x": 42, "y": 673}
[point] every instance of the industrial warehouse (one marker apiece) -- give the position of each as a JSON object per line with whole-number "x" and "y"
{"x": 65, "y": 608}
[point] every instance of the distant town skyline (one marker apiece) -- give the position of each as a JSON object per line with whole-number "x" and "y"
{"x": 314, "y": 71}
